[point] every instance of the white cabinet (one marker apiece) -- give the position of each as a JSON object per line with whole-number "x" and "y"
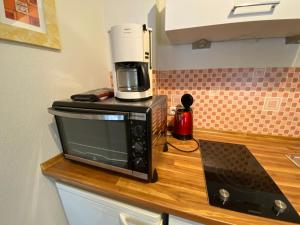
{"x": 85, "y": 208}
{"x": 174, "y": 220}
{"x": 217, "y": 20}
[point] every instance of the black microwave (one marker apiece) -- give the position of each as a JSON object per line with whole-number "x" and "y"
{"x": 125, "y": 137}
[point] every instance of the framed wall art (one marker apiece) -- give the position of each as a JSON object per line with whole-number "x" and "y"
{"x": 29, "y": 21}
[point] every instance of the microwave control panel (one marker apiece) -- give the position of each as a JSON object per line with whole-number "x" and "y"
{"x": 139, "y": 150}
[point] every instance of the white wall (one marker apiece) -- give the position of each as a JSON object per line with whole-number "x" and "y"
{"x": 30, "y": 79}
{"x": 246, "y": 53}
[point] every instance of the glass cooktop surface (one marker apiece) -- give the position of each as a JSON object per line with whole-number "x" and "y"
{"x": 236, "y": 181}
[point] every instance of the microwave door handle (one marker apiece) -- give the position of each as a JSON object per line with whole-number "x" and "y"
{"x": 87, "y": 116}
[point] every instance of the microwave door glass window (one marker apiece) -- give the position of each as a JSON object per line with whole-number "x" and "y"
{"x": 98, "y": 140}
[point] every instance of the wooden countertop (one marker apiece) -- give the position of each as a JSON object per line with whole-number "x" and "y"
{"x": 180, "y": 189}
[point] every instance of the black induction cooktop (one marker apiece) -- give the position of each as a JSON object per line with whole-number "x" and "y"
{"x": 236, "y": 181}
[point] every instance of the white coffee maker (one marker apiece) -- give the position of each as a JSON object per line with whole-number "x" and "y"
{"x": 132, "y": 61}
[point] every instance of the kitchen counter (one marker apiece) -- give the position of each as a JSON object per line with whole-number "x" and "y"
{"x": 180, "y": 189}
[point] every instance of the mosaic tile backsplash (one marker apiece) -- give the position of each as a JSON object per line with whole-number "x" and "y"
{"x": 248, "y": 100}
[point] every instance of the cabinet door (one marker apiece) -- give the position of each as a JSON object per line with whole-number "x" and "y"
{"x": 174, "y": 220}
{"x": 194, "y": 13}
{"x": 84, "y": 208}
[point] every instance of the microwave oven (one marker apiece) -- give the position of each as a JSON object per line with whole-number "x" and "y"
{"x": 124, "y": 137}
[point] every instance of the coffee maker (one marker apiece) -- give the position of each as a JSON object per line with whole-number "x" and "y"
{"x": 131, "y": 46}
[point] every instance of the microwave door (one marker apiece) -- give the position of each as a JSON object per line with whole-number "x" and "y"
{"x": 94, "y": 135}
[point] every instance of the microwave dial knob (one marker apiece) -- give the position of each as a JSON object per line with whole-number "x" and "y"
{"x": 138, "y": 131}
{"x": 138, "y": 147}
{"x": 139, "y": 163}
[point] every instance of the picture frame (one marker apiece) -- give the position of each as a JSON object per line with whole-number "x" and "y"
{"x": 30, "y": 21}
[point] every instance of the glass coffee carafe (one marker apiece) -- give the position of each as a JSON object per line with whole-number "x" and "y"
{"x": 132, "y": 76}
